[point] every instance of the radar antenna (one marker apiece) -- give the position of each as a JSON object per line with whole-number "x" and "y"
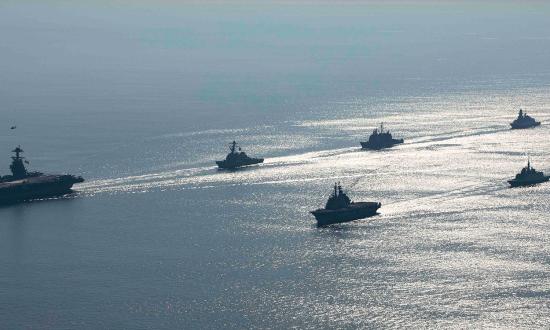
{"x": 233, "y": 146}
{"x": 17, "y": 151}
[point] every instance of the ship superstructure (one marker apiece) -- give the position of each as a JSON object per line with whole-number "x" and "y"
{"x": 23, "y": 185}
{"x": 237, "y": 158}
{"x": 339, "y": 208}
{"x": 528, "y": 176}
{"x": 524, "y": 121}
{"x": 380, "y": 139}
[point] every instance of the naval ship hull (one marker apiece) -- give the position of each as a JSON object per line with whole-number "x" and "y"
{"x": 522, "y": 183}
{"x": 354, "y": 211}
{"x": 233, "y": 165}
{"x": 515, "y": 125}
{"x": 381, "y": 145}
{"x": 36, "y": 188}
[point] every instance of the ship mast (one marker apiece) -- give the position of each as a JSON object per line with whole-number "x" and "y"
{"x": 17, "y": 167}
{"x": 233, "y": 146}
{"x": 17, "y": 151}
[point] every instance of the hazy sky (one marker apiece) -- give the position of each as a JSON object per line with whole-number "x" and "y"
{"x": 268, "y": 52}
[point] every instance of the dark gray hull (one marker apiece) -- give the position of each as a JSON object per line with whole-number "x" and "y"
{"x": 355, "y": 211}
{"x": 381, "y": 145}
{"x": 233, "y": 165}
{"x": 523, "y": 183}
{"x": 46, "y": 186}
{"x": 515, "y": 125}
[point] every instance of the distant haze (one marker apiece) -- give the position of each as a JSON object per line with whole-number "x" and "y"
{"x": 141, "y": 97}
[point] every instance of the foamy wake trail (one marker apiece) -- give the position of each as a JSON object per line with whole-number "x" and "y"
{"x": 269, "y": 172}
{"x": 140, "y": 182}
{"x": 340, "y": 163}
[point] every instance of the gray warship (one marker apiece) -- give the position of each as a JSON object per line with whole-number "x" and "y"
{"x": 237, "y": 158}
{"x": 340, "y": 208}
{"x": 528, "y": 176}
{"x": 524, "y": 121}
{"x": 380, "y": 140}
{"x": 22, "y": 185}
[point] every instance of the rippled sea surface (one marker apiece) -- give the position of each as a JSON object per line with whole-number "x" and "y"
{"x": 159, "y": 238}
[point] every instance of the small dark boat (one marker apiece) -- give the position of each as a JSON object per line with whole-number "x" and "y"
{"x": 340, "y": 208}
{"x": 524, "y": 121}
{"x": 24, "y": 186}
{"x": 237, "y": 158}
{"x": 380, "y": 140}
{"x": 528, "y": 176}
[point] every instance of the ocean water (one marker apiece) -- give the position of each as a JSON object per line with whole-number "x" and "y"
{"x": 141, "y": 97}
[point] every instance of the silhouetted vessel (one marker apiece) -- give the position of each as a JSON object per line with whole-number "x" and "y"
{"x": 524, "y": 121}
{"x": 340, "y": 208}
{"x": 237, "y": 158}
{"x": 380, "y": 140}
{"x": 23, "y": 185}
{"x": 528, "y": 176}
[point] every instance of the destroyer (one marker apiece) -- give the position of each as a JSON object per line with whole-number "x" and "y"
{"x": 524, "y": 121}
{"x": 340, "y": 208}
{"x": 528, "y": 176}
{"x": 237, "y": 158}
{"x": 380, "y": 140}
{"x": 22, "y": 185}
